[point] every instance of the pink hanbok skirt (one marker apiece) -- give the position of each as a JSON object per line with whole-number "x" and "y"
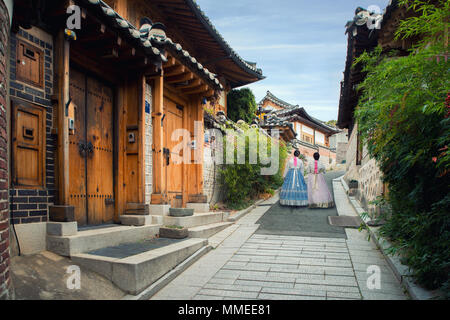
{"x": 319, "y": 195}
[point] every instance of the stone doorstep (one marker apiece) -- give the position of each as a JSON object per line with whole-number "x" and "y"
{"x": 94, "y": 239}
{"x": 208, "y": 230}
{"x": 198, "y": 219}
{"x": 181, "y": 212}
{"x": 62, "y": 228}
{"x": 159, "y": 209}
{"x": 135, "y": 273}
{"x": 135, "y": 220}
{"x": 199, "y": 207}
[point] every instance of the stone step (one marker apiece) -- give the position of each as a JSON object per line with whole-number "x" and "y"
{"x": 181, "y": 212}
{"x": 137, "y": 212}
{"x": 92, "y": 239}
{"x": 137, "y": 206}
{"x": 208, "y": 230}
{"x": 135, "y": 273}
{"x": 198, "y": 219}
{"x": 135, "y": 220}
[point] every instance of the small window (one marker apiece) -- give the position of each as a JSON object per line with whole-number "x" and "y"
{"x": 28, "y": 138}
{"x": 30, "y": 64}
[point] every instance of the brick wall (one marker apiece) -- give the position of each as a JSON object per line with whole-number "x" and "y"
{"x": 27, "y": 205}
{"x": 5, "y": 280}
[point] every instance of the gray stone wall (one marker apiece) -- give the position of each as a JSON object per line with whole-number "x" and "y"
{"x": 367, "y": 174}
{"x": 211, "y": 178}
{"x": 148, "y": 144}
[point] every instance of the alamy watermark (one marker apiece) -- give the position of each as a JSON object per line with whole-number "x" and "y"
{"x": 74, "y": 280}
{"x": 229, "y": 148}
{"x": 373, "y": 281}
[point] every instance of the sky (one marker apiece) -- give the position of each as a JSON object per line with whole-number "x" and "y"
{"x": 300, "y": 45}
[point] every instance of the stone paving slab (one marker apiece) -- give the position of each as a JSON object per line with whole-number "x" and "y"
{"x": 248, "y": 265}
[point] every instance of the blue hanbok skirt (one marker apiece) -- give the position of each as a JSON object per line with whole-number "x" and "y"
{"x": 294, "y": 191}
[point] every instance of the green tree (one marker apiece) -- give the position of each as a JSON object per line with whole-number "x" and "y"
{"x": 241, "y": 105}
{"x": 403, "y": 116}
{"x": 331, "y": 123}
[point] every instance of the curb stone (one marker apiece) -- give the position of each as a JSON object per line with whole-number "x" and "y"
{"x": 243, "y": 212}
{"x": 401, "y": 271}
{"x": 168, "y": 277}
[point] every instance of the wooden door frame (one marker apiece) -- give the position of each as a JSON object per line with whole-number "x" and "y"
{"x": 171, "y": 94}
{"x": 88, "y": 73}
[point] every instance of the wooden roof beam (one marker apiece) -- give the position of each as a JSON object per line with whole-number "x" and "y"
{"x": 201, "y": 89}
{"x": 180, "y": 78}
{"x": 192, "y": 84}
{"x": 174, "y": 71}
{"x": 170, "y": 63}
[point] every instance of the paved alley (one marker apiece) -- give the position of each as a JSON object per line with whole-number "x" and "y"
{"x": 248, "y": 263}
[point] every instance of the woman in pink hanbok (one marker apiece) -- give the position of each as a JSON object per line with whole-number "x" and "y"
{"x": 319, "y": 195}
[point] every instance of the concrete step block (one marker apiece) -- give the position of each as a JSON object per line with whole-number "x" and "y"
{"x": 62, "y": 228}
{"x": 208, "y": 230}
{"x": 181, "y": 212}
{"x": 198, "y": 207}
{"x": 93, "y": 239}
{"x": 134, "y": 220}
{"x": 134, "y": 274}
{"x": 159, "y": 209}
{"x": 136, "y": 212}
{"x": 196, "y": 220}
{"x": 137, "y": 206}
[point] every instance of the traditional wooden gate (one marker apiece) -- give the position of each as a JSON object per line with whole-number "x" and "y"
{"x": 91, "y": 150}
{"x": 173, "y": 171}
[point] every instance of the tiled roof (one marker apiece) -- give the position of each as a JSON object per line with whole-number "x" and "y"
{"x": 270, "y": 96}
{"x": 297, "y": 113}
{"x": 140, "y": 37}
{"x": 250, "y": 66}
{"x": 127, "y": 29}
{"x": 190, "y": 60}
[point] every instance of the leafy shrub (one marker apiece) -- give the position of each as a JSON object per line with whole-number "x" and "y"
{"x": 403, "y": 116}
{"x": 244, "y": 182}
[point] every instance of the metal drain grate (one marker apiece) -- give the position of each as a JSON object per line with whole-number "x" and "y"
{"x": 345, "y": 221}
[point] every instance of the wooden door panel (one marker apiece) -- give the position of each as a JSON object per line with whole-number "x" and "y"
{"x": 100, "y": 160}
{"x": 174, "y": 171}
{"x": 77, "y": 174}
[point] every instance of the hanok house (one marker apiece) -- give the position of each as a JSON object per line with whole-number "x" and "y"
{"x": 94, "y": 113}
{"x": 311, "y": 134}
{"x": 362, "y": 170}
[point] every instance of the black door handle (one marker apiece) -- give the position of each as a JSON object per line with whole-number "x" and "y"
{"x": 166, "y": 153}
{"x": 90, "y": 147}
{"x": 82, "y": 147}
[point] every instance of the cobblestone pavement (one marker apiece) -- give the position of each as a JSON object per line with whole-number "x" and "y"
{"x": 248, "y": 266}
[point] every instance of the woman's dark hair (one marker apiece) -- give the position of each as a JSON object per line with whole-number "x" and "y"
{"x": 297, "y": 153}
{"x": 316, "y": 156}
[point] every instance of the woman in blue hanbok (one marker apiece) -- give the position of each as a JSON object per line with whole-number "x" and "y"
{"x": 294, "y": 191}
